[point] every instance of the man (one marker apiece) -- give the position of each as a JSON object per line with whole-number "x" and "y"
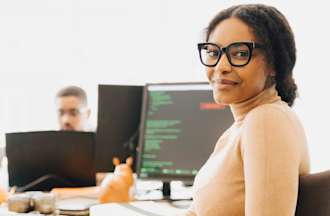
{"x": 73, "y": 112}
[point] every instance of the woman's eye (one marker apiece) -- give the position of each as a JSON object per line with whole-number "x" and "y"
{"x": 241, "y": 54}
{"x": 213, "y": 53}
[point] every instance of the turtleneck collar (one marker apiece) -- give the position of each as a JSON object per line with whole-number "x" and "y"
{"x": 267, "y": 96}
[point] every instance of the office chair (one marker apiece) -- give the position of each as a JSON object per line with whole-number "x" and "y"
{"x": 314, "y": 195}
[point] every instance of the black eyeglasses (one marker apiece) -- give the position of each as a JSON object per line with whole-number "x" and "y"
{"x": 239, "y": 53}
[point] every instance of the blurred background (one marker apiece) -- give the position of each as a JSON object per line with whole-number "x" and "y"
{"x": 48, "y": 44}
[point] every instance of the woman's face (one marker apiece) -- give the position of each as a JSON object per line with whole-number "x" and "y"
{"x": 232, "y": 84}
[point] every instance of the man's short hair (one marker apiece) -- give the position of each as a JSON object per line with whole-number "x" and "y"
{"x": 73, "y": 91}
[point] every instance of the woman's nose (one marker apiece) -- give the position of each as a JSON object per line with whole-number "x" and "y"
{"x": 223, "y": 65}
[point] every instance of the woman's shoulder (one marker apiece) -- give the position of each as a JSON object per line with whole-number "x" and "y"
{"x": 278, "y": 112}
{"x": 277, "y": 123}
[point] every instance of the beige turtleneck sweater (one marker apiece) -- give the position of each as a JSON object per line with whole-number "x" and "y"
{"x": 255, "y": 166}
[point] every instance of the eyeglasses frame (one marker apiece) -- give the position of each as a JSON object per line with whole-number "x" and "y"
{"x": 251, "y": 46}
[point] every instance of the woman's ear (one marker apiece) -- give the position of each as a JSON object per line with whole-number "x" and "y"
{"x": 269, "y": 70}
{"x": 270, "y": 80}
{"x": 272, "y": 73}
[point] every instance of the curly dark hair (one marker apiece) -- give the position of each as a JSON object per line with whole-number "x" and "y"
{"x": 272, "y": 30}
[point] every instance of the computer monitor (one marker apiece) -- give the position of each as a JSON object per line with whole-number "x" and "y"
{"x": 180, "y": 125}
{"x": 119, "y": 109}
{"x": 43, "y": 160}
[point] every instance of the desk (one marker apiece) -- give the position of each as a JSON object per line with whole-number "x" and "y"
{"x": 145, "y": 208}
{"x": 138, "y": 208}
{"x": 59, "y": 203}
{"x": 142, "y": 208}
{"x": 143, "y": 190}
{"x": 4, "y": 212}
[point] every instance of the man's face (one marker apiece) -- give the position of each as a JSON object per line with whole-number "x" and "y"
{"x": 72, "y": 115}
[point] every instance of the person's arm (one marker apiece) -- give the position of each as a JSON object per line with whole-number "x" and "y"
{"x": 271, "y": 156}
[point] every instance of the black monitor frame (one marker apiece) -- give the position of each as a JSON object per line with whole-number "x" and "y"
{"x": 119, "y": 108}
{"x": 41, "y": 160}
{"x": 166, "y": 178}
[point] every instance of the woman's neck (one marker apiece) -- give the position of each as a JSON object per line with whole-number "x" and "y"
{"x": 268, "y": 95}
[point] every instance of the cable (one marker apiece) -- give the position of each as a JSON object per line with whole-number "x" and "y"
{"x": 131, "y": 143}
{"x": 43, "y": 179}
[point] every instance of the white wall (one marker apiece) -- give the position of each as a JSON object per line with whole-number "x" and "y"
{"x": 45, "y": 45}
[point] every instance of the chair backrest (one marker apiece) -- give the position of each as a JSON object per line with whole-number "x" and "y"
{"x": 314, "y": 195}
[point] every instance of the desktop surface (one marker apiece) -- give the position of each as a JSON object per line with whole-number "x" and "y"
{"x": 139, "y": 208}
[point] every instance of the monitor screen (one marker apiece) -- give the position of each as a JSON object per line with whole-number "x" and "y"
{"x": 43, "y": 160}
{"x": 119, "y": 109}
{"x": 180, "y": 126}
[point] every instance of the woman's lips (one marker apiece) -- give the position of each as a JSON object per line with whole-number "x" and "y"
{"x": 223, "y": 84}
{"x": 228, "y": 82}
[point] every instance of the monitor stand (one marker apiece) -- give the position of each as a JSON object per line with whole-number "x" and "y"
{"x": 166, "y": 190}
{"x": 178, "y": 203}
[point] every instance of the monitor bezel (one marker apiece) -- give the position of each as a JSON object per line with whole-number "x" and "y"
{"x": 163, "y": 177}
{"x": 111, "y": 144}
{"x": 54, "y": 137}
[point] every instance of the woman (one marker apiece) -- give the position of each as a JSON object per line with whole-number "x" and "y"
{"x": 254, "y": 170}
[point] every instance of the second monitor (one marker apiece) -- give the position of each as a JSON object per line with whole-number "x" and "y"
{"x": 119, "y": 108}
{"x": 180, "y": 125}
